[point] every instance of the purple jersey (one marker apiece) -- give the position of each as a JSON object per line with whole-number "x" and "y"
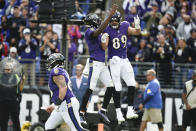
{"x": 94, "y": 45}
{"x": 53, "y": 87}
{"x": 118, "y": 40}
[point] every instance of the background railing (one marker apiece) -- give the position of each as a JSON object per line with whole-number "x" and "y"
{"x": 170, "y": 75}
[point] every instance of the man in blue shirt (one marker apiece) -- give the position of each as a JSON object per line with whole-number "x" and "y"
{"x": 152, "y": 102}
{"x": 79, "y": 83}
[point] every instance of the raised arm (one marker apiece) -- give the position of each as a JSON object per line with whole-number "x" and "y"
{"x": 136, "y": 30}
{"x": 102, "y": 27}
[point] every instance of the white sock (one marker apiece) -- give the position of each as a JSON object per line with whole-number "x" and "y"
{"x": 118, "y": 110}
{"x": 130, "y": 107}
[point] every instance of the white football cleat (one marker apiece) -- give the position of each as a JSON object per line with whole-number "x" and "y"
{"x": 131, "y": 113}
{"x": 119, "y": 117}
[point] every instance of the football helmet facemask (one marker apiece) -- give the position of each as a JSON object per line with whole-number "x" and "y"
{"x": 116, "y": 17}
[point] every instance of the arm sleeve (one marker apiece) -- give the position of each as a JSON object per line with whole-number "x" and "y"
{"x": 148, "y": 97}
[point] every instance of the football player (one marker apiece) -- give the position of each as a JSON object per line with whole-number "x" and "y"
{"x": 66, "y": 106}
{"x": 115, "y": 38}
{"x": 98, "y": 68}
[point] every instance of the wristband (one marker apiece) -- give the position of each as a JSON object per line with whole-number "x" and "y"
{"x": 58, "y": 101}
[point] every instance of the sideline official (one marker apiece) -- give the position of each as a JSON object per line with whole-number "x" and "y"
{"x": 11, "y": 84}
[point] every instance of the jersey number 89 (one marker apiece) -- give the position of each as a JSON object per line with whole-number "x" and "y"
{"x": 116, "y": 42}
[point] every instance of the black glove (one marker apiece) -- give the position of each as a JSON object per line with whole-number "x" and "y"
{"x": 58, "y": 102}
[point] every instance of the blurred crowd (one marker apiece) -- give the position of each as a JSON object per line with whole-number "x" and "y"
{"x": 168, "y": 33}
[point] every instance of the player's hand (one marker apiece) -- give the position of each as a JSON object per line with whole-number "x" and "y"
{"x": 188, "y": 107}
{"x": 137, "y": 22}
{"x": 50, "y": 108}
{"x": 113, "y": 9}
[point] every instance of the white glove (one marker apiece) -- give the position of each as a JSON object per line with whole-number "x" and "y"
{"x": 104, "y": 37}
{"x": 137, "y": 22}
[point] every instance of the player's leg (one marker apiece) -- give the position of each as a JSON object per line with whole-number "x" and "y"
{"x": 116, "y": 98}
{"x": 70, "y": 114}
{"x": 94, "y": 72}
{"x": 145, "y": 119}
{"x": 128, "y": 76}
{"x": 115, "y": 74}
{"x": 53, "y": 121}
{"x": 107, "y": 81}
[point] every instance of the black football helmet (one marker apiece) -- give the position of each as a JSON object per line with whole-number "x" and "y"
{"x": 55, "y": 60}
{"x": 92, "y": 20}
{"x": 115, "y": 17}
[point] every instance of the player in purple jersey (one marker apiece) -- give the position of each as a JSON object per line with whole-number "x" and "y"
{"x": 115, "y": 38}
{"x": 98, "y": 69}
{"x": 66, "y": 106}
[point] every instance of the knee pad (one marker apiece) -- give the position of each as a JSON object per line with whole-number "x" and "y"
{"x": 160, "y": 125}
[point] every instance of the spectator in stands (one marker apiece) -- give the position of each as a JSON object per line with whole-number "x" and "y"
{"x": 47, "y": 47}
{"x": 182, "y": 56}
{"x": 16, "y": 21}
{"x": 166, "y": 4}
{"x": 169, "y": 17}
{"x": 132, "y": 47}
{"x": 74, "y": 33}
{"x": 191, "y": 42}
{"x": 144, "y": 53}
{"x": 2, "y": 4}
{"x": 163, "y": 53}
{"x": 194, "y": 12}
{"x": 2, "y": 50}
{"x": 189, "y": 100}
{"x": 5, "y": 26}
{"x": 13, "y": 53}
{"x": 9, "y": 7}
{"x": 152, "y": 102}
{"x": 136, "y": 9}
{"x": 56, "y": 42}
{"x": 27, "y": 47}
{"x": 13, "y": 42}
{"x": 35, "y": 29}
{"x": 72, "y": 50}
{"x": 184, "y": 28}
{"x": 79, "y": 83}
{"x": 5, "y": 45}
{"x": 152, "y": 17}
{"x": 179, "y": 19}
{"x": 170, "y": 35}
